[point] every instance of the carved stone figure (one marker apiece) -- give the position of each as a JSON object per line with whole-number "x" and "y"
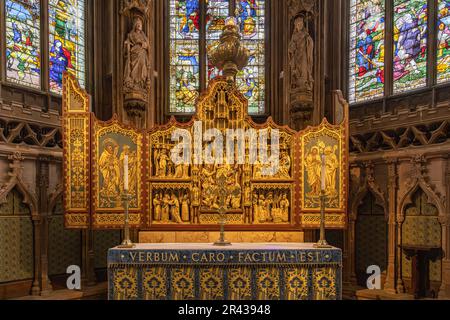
{"x": 285, "y": 165}
{"x": 165, "y": 208}
{"x": 175, "y": 208}
{"x": 284, "y": 208}
{"x": 136, "y": 55}
{"x": 163, "y": 158}
{"x": 157, "y": 207}
{"x": 263, "y": 213}
{"x": 301, "y": 50}
{"x": 185, "y": 208}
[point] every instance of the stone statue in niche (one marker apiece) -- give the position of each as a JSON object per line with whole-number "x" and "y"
{"x": 136, "y": 55}
{"x": 301, "y": 53}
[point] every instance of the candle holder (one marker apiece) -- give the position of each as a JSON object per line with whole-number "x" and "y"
{"x": 222, "y": 242}
{"x": 322, "y": 243}
{"x": 126, "y": 243}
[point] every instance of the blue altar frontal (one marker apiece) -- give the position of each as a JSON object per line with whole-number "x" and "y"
{"x": 257, "y": 271}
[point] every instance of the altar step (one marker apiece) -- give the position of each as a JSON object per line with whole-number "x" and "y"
{"x": 96, "y": 292}
{"x": 367, "y": 294}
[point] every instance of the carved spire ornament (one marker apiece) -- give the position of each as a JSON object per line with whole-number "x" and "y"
{"x": 230, "y": 55}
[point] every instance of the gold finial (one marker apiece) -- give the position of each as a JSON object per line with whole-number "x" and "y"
{"x": 230, "y": 55}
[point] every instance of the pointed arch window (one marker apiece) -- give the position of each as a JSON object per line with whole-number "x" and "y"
{"x": 195, "y": 27}
{"x": 24, "y": 50}
{"x": 390, "y": 42}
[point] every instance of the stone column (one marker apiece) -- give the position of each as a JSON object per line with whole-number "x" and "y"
{"x": 35, "y": 288}
{"x": 389, "y": 284}
{"x": 43, "y": 197}
{"x": 88, "y": 277}
{"x": 400, "y": 284}
{"x": 444, "y": 290}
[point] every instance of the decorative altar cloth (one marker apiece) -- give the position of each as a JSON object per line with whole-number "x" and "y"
{"x": 243, "y": 271}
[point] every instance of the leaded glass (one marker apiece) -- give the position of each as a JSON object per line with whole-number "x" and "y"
{"x": 251, "y": 80}
{"x": 217, "y": 12}
{"x": 66, "y": 41}
{"x": 443, "y": 50}
{"x": 184, "y": 55}
{"x": 367, "y": 30}
{"x": 410, "y": 45}
{"x": 23, "y": 61}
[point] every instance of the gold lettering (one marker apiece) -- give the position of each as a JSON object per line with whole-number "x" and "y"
{"x": 195, "y": 257}
{"x": 141, "y": 256}
{"x": 303, "y": 257}
{"x": 281, "y": 257}
{"x": 133, "y": 256}
{"x": 174, "y": 257}
{"x": 264, "y": 256}
{"x": 220, "y": 257}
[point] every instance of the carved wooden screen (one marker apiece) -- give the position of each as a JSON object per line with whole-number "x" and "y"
{"x": 169, "y": 196}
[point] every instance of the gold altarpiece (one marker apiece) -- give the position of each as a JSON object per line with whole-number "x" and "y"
{"x": 170, "y": 197}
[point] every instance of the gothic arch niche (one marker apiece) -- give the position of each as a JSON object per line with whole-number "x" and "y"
{"x": 16, "y": 230}
{"x": 370, "y": 237}
{"x": 421, "y": 227}
{"x": 64, "y": 245}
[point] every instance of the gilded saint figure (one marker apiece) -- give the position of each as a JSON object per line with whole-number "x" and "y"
{"x": 110, "y": 169}
{"x": 331, "y": 167}
{"x": 313, "y": 169}
{"x": 165, "y": 209}
{"x": 157, "y": 201}
{"x": 185, "y": 208}
{"x": 175, "y": 208}
{"x": 284, "y": 208}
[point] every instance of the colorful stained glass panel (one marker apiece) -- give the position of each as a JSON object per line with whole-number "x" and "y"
{"x": 367, "y": 32}
{"x": 410, "y": 45}
{"x": 443, "y": 49}
{"x": 217, "y": 12}
{"x": 66, "y": 41}
{"x": 184, "y": 55}
{"x": 251, "y": 80}
{"x": 23, "y": 61}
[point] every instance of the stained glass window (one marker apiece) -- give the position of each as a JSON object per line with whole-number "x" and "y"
{"x": 217, "y": 12}
{"x": 184, "y": 55}
{"x": 410, "y": 45}
{"x": 193, "y": 23}
{"x": 367, "y": 30}
{"x": 251, "y": 81}
{"x": 66, "y": 41}
{"x": 23, "y": 61}
{"x": 443, "y": 49}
